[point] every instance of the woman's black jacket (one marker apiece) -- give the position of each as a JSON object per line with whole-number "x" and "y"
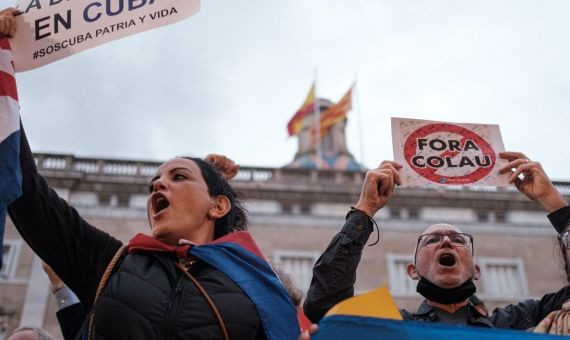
{"x": 147, "y": 297}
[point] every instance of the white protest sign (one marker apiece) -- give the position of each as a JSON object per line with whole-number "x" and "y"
{"x": 440, "y": 153}
{"x": 49, "y": 30}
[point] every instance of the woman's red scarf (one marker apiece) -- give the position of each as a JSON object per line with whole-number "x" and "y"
{"x": 142, "y": 242}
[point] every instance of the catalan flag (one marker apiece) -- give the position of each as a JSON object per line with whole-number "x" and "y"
{"x": 295, "y": 125}
{"x": 336, "y": 113}
{"x": 333, "y": 115}
{"x": 10, "y": 174}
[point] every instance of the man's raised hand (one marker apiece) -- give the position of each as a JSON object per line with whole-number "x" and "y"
{"x": 535, "y": 184}
{"x": 378, "y": 187}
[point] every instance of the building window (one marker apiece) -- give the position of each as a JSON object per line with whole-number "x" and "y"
{"x": 291, "y": 209}
{"x": 104, "y": 199}
{"x": 482, "y": 216}
{"x": 123, "y": 201}
{"x": 286, "y": 208}
{"x": 11, "y": 252}
{"x": 395, "y": 213}
{"x": 305, "y": 209}
{"x": 399, "y": 281}
{"x": 504, "y": 277}
{"x": 500, "y": 217}
{"x": 413, "y": 213}
{"x": 298, "y": 264}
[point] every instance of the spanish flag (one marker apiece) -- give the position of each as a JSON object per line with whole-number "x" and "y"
{"x": 295, "y": 125}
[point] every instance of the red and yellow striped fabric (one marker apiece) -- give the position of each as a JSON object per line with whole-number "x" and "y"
{"x": 295, "y": 125}
{"x": 337, "y": 112}
{"x": 334, "y": 114}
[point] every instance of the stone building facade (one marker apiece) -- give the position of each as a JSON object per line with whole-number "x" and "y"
{"x": 293, "y": 215}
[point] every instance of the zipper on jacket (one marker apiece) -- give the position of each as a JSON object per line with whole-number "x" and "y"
{"x": 174, "y": 309}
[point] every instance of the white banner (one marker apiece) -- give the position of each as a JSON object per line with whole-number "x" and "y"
{"x": 49, "y": 30}
{"x": 440, "y": 153}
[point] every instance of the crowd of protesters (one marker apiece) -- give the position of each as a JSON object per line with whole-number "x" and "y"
{"x": 186, "y": 280}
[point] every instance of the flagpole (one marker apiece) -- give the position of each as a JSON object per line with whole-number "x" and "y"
{"x": 359, "y": 115}
{"x": 317, "y": 121}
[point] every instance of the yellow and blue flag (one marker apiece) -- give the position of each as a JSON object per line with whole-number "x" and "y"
{"x": 238, "y": 256}
{"x": 358, "y": 327}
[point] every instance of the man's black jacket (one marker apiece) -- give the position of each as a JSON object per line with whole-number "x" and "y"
{"x": 334, "y": 275}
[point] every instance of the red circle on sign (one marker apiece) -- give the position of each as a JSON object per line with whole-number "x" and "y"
{"x": 411, "y": 145}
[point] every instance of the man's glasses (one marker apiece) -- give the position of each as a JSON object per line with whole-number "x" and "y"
{"x": 435, "y": 239}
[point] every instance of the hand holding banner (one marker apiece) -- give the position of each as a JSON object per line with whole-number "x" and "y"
{"x": 49, "y": 30}
{"x": 439, "y": 153}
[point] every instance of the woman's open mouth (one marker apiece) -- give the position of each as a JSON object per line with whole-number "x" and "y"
{"x": 159, "y": 203}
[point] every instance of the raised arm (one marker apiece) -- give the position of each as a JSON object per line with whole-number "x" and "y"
{"x": 334, "y": 273}
{"x": 529, "y": 313}
{"x": 77, "y": 251}
{"x": 535, "y": 185}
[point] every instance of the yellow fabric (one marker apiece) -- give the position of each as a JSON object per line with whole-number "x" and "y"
{"x": 557, "y": 322}
{"x": 333, "y": 115}
{"x": 338, "y": 111}
{"x": 377, "y": 303}
{"x": 310, "y": 97}
{"x": 295, "y": 125}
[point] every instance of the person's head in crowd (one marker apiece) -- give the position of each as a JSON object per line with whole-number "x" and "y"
{"x": 191, "y": 200}
{"x": 30, "y": 333}
{"x": 444, "y": 264}
{"x": 291, "y": 287}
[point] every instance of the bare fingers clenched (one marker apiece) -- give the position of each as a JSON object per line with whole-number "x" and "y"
{"x": 8, "y": 22}
{"x": 386, "y": 183}
{"x": 394, "y": 167}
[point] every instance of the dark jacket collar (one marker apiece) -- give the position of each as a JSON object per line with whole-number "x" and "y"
{"x": 425, "y": 308}
{"x": 430, "y": 313}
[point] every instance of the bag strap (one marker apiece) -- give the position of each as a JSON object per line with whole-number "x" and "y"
{"x": 208, "y": 299}
{"x": 102, "y": 284}
{"x": 109, "y": 270}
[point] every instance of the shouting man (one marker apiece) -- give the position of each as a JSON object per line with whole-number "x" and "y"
{"x": 444, "y": 262}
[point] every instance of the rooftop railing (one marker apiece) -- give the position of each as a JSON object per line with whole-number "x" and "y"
{"x": 145, "y": 169}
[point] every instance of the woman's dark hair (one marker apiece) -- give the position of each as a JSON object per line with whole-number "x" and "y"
{"x": 236, "y": 218}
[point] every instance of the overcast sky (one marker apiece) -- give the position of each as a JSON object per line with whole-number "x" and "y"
{"x": 228, "y": 79}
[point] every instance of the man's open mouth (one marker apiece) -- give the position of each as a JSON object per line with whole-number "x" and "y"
{"x": 447, "y": 260}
